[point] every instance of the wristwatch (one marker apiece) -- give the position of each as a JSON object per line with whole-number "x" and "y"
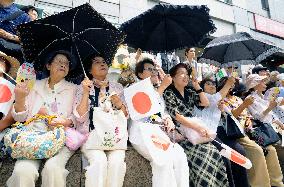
{"x": 199, "y": 91}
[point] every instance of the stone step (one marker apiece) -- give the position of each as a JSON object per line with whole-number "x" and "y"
{"x": 138, "y": 172}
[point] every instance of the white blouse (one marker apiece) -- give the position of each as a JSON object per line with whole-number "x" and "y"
{"x": 258, "y": 107}
{"x": 210, "y": 115}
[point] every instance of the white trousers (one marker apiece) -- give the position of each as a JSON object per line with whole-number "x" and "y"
{"x": 106, "y": 168}
{"x": 53, "y": 174}
{"x": 175, "y": 173}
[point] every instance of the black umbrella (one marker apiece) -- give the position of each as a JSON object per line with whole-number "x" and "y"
{"x": 168, "y": 27}
{"x": 237, "y": 49}
{"x": 81, "y": 30}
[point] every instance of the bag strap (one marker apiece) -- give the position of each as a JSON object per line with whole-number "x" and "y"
{"x": 38, "y": 117}
{"x": 94, "y": 103}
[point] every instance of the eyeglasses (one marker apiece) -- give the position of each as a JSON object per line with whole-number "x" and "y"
{"x": 152, "y": 70}
{"x": 182, "y": 74}
{"x": 60, "y": 63}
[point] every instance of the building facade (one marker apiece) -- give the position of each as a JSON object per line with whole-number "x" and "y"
{"x": 262, "y": 18}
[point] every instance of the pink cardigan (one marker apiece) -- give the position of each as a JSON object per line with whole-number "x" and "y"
{"x": 83, "y": 121}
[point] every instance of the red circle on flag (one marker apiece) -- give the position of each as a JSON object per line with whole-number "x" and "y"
{"x": 141, "y": 102}
{"x": 5, "y": 94}
{"x": 238, "y": 158}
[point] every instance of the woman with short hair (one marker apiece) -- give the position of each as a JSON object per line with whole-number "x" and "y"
{"x": 49, "y": 96}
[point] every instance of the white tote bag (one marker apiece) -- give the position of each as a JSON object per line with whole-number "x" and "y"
{"x": 153, "y": 143}
{"x": 193, "y": 136}
{"x": 110, "y": 131}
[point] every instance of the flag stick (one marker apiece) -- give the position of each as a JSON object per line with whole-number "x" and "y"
{"x": 224, "y": 147}
{"x": 1, "y": 70}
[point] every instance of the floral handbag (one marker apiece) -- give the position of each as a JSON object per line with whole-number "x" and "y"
{"x": 24, "y": 143}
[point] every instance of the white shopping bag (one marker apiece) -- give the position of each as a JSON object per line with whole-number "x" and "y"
{"x": 193, "y": 136}
{"x": 153, "y": 143}
{"x": 110, "y": 131}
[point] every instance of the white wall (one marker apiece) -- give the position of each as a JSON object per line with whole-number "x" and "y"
{"x": 277, "y": 10}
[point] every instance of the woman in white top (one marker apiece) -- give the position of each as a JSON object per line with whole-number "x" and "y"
{"x": 214, "y": 121}
{"x": 50, "y": 96}
{"x": 106, "y": 168}
{"x": 174, "y": 172}
{"x": 261, "y": 109}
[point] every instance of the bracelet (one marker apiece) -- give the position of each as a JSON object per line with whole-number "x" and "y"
{"x": 199, "y": 91}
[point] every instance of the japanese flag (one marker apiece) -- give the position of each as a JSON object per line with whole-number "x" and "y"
{"x": 6, "y": 95}
{"x": 142, "y": 100}
{"x": 235, "y": 157}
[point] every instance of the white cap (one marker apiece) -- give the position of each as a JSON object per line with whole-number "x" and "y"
{"x": 280, "y": 77}
{"x": 253, "y": 80}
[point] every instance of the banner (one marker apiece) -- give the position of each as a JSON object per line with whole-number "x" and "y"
{"x": 141, "y": 100}
{"x": 6, "y": 95}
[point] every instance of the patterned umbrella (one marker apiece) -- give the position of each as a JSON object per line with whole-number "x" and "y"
{"x": 237, "y": 49}
{"x": 81, "y": 31}
{"x": 168, "y": 27}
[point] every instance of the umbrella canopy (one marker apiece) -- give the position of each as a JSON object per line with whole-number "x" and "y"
{"x": 168, "y": 27}
{"x": 237, "y": 49}
{"x": 81, "y": 31}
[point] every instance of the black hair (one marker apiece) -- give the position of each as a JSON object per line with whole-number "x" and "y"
{"x": 88, "y": 62}
{"x": 26, "y": 9}
{"x": 140, "y": 66}
{"x": 202, "y": 83}
{"x": 173, "y": 70}
{"x": 248, "y": 92}
{"x": 221, "y": 83}
{"x": 187, "y": 49}
{"x": 239, "y": 90}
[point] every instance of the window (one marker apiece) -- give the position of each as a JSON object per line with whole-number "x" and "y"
{"x": 228, "y": 1}
{"x": 264, "y": 4}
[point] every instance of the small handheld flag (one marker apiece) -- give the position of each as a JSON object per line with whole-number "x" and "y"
{"x": 141, "y": 100}
{"x": 221, "y": 73}
{"x": 6, "y": 95}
